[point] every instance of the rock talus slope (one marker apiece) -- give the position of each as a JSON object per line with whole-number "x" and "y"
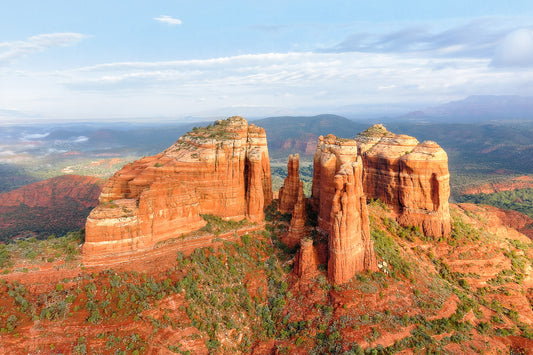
{"x": 222, "y": 170}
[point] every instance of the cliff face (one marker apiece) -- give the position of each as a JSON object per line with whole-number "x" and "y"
{"x": 409, "y": 176}
{"x": 350, "y": 248}
{"x": 222, "y": 170}
{"x": 330, "y": 154}
{"x": 341, "y": 205}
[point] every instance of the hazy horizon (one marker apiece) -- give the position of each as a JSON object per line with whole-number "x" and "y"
{"x": 169, "y": 60}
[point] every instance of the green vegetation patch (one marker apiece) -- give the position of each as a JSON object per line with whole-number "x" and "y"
{"x": 517, "y": 200}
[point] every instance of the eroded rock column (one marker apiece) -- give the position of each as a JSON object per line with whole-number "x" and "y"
{"x": 350, "y": 247}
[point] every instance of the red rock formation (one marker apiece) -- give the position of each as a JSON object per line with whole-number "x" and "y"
{"x": 409, "y": 176}
{"x": 331, "y": 153}
{"x": 288, "y": 193}
{"x": 52, "y": 206}
{"x": 350, "y": 248}
{"x": 341, "y": 206}
{"x": 82, "y": 189}
{"x": 297, "y": 227}
{"x": 307, "y": 260}
{"x": 222, "y": 170}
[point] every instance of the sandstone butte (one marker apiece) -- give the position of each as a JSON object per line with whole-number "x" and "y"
{"x": 341, "y": 206}
{"x": 411, "y": 177}
{"x": 223, "y": 170}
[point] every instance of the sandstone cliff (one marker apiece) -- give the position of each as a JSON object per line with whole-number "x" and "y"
{"x": 409, "y": 176}
{"x": 341, "y": 206}
{"x": 222, "y": 170}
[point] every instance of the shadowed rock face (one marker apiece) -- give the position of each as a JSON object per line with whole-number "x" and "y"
{"x": 341, "y": 206}
{"x": 409, "y": 176}
{"x": 288, "y": 194}
{"x": 222, "y": 170}
{"x": 292, "y": 200}
{"x": 297, "y": 227}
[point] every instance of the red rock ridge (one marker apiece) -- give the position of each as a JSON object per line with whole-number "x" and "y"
{"x": 52, "y": 206}
{"x": 222, "y": 170}
{"x": 409, "y": 176}
{"x": 82, "y": 189}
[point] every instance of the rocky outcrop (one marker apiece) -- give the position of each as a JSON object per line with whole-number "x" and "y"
{"x": 341, "y": 205}
{"x": 331, "y": 153}
{"x": 222, "y": 170}
{"x": 307, "y": 260}
{"x": 288, "y": 193}
{"x": 297, "y": 227}
{"x": 409, "y": 176}
{"x": 350, "y": 248}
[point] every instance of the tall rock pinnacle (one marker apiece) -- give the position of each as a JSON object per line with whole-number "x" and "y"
{"x": 341, "y": 205}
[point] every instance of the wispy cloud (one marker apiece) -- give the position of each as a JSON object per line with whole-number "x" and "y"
{"x": 477, "y": 39}
{"x": 169, "y": 20}
{"x": 10, "y": 51}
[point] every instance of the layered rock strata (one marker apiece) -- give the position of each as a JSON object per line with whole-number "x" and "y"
{"x": 341, "y": 205}
{"x": 222, "y": 170}
{"x": 288, "y": 193}
{"x": 330, "y": 155}
{"x": 409, "y": 176}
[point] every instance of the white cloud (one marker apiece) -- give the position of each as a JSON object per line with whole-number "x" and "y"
{"x": 318, "y": 82}
{"x": 34, "y": 136}
{"x": 516, "y": 50}
{"x": 169, "y": 20}
{"x": 10, "y": 51}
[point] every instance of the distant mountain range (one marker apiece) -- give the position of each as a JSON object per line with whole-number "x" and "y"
{"x": 478, "y": 109}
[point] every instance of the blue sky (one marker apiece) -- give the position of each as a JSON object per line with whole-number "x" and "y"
{"x": 170, "y": 59}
